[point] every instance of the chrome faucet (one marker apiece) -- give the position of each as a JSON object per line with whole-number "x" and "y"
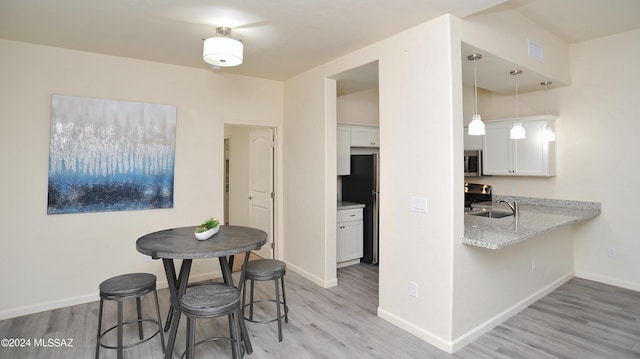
{"x": 514, "y": 207}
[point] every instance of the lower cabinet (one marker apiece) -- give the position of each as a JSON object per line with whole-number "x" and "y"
{"x": 349, "y": 238}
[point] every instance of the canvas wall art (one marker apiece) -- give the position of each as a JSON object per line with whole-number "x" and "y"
{"x": 107, "y": 155}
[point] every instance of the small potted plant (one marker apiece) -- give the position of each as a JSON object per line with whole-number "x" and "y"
{"x": 208, "y": 228}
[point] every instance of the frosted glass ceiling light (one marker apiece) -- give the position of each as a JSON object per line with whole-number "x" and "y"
{"x": 476, "y": 126}
{"x": 222, "y": 50}
{"x": 517, "y": 131}
{"x": 547, "y": 133}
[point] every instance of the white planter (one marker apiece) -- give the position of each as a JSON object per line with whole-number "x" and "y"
{"x": 207, "y": 234}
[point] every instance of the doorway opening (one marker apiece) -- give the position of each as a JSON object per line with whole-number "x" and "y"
{"x": 358, "y": 111}
{"x": 249, "y": 181}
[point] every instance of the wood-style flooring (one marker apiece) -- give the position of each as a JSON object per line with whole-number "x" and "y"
{"x": 581, "y": 319}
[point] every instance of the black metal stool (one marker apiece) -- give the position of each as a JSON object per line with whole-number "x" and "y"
{"x": 263, "y": 270}
{"x": 211, "y": 301}
{"x": 119, "y": 289}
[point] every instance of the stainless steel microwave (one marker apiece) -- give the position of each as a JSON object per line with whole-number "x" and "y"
{"x": 473, "y": 163}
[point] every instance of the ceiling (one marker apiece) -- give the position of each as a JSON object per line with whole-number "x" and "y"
{"x": 282, "y": 37}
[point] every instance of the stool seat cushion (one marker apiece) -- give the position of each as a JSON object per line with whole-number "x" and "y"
{"x": 127, "y": 284}
{"x": 265, "y": 268}
{"x": 210, "y": 300}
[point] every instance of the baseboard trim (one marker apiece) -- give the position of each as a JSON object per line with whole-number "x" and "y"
{"x": 348, "y": 263}
{"x": 83, "y": 299}
{"x": 475, "y": 333}
{"x": 313, "y": 278}
{"x": 427, "y": 336}
{"x": 54, "y": 304}
{"x": 609, "y": 280}
{"x": 488, "y": 325}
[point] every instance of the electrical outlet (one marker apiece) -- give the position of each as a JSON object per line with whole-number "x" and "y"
{"x": 413, "y": 289}
{"x": 534, "y": 265}
{"x": 612, "y": 252}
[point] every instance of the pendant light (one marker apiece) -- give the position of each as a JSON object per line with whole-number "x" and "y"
{"x": 547, "y": 133}
{"x": 222, "y": 50}
{"x": 517, "y": 131}
{"x": 476, "y": 126}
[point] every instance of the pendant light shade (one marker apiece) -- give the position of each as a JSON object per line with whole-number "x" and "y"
{"x": 517, "y": 132}
{"x": 222, "y": 50}
{"x": 476, "y": 126}
{"x": 547, "y": 133}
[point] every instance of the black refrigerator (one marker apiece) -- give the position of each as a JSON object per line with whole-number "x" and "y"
{"x": 361, "y": 186}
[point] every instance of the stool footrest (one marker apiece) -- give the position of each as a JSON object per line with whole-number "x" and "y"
{"x": 284, "y": 315}
{"x": 140, "y": 341}
{"x": 214, "y": 339}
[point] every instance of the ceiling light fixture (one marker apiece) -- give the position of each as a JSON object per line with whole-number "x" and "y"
{"x": 476, "y": 127}
{"x": 222, "y": 50}
{"x": 547, "y": 133}
{"x": 517, "y": 131}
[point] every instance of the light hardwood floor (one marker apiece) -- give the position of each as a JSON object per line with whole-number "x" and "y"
{"x": 582, "y": 319}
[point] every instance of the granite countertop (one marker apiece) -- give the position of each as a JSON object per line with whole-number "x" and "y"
{"x": 537, "y": 216}
{"x": 342, "y": 205}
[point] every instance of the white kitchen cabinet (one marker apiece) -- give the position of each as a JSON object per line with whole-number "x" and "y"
{"x": 350, "y": 235}
{"x": 343, "y": 140}
{"x": 472, "y": 142}
{"x": 365, "y": 136}
{"x": 531, "y": 156}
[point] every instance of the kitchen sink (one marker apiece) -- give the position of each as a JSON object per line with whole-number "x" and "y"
{"x": 491, "y": 214}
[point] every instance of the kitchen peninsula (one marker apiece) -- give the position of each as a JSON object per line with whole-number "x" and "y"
{"x": 536, "y": 216}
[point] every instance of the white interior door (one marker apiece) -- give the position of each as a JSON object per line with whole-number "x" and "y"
{"x": 261, "y": 185}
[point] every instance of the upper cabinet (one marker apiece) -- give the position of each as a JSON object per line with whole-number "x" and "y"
{"x": 348, "y": 136}
{"x": 343, "y": 139}
{"x": 530, "y": 156}
{"x": 365, "y": 136}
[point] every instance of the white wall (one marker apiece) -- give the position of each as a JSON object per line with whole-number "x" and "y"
{"x": 56, "y": 260}
{"x": 596, "y": 153}
{"x": 361, "y": 108}
{"x": 418, "y": 91}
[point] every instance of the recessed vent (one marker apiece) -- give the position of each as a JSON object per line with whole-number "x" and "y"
{"x": 536, "y": 51}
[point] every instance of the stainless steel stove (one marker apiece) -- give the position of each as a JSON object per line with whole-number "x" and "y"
{"x": 476, "y": 192}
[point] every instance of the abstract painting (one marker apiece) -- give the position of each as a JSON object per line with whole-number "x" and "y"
{"x": 107, "y": 155}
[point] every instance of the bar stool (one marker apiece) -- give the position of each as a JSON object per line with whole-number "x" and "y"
{"x": 119, "y": 289}
{"x": 263, "y": 270}
{"x": 211, "y": 301}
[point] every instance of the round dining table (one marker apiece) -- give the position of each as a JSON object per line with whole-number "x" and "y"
{"x": 181, "y": 243}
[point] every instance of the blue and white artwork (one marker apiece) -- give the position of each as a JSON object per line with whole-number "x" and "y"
{"x": 107, "y": 155}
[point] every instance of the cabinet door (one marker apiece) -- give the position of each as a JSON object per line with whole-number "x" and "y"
{"x": 349, "y": 240}
{"x": 343, "y": 140}
{"x": 496, "y": 154}
{"x": 374, "y": 137}
{"x": 365, "y": 136}
{"x": 360, "y": 137}
{"x": 531, "y": 153}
